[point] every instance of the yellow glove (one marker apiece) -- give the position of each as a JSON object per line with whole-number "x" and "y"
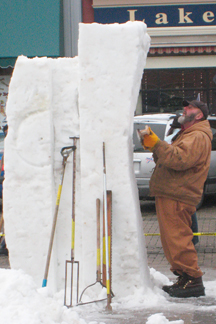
{"x": 149, "y": 141}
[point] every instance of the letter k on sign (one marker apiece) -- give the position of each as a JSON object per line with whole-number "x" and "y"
{"x": 183, "y": 19}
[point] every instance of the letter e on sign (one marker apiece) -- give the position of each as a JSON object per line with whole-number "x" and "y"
{"x": 161, "y": 18}
{"x": 207, "y": 15}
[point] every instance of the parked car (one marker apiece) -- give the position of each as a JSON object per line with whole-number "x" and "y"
{"x": 143, "y": 160}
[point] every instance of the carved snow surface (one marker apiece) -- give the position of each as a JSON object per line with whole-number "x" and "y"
{"x": 94, "y": 96}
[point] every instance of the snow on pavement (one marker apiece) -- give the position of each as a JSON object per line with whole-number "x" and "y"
{"x": 21, "y": 302}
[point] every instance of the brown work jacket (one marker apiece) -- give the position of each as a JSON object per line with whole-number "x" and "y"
{"x": 182, "y": 167}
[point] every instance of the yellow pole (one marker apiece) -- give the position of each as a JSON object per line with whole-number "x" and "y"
{"x": 195, "y": 234}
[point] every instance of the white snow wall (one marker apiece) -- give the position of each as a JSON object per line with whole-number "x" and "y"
{"x": 42, "y": 114}
{"x": 110, "y": 77}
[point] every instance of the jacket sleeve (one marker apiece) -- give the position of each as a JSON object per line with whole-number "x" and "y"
{"x": 185, "y": 154}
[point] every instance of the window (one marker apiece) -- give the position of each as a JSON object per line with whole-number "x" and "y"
{"x": 164, "y": 90}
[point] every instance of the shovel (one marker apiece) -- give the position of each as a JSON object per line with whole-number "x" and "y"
{"x": 65, "y": 152}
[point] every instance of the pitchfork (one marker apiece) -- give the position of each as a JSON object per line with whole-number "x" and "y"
{"x": 72, "y": 262}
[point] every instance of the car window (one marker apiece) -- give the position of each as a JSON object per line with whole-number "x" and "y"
{"x": 213, "y": 128}
{"x": 159, "y": 129}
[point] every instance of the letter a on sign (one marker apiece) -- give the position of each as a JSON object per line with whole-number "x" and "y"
{"x": 161, "y": 18}
{"x": 183, "y": 19}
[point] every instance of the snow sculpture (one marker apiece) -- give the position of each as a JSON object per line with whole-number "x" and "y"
{"x": 109, "y": 83}
{"x": 43, "y": 112}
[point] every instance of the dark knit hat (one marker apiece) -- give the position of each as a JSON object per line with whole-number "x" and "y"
{"x": 198, "y": 104}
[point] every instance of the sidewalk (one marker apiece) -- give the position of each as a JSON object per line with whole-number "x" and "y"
{"x": 206, "y": 248}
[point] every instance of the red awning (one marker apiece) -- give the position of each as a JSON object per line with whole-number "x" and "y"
{"x": 184, "y": 50}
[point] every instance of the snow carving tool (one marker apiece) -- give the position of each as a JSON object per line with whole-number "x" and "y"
{"x": 108, "y": 284}
{"x": 65, "y": 152}
{"x": 109, "y": 220}
{"x": 98, "y": 272}
{"x": 72, "y": 262}
{"x": 141, "y": 133}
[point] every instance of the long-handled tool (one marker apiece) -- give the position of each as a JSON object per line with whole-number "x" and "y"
{"x": 109, "y": 221}
{"x": 106, "y": 233}
{"x": 1, "y": 225}
{"x": 1, "y": 221}
{"x": 98, "y": 272}
{"x": 72, "y": 262}
{"x": 65, "y": 152}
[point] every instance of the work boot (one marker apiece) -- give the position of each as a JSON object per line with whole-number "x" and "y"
{"x": 180, "y": 282}
{"x": 189, "y": 287}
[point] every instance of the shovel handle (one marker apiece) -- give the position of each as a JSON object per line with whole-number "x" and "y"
{"x": 98, "y": 240}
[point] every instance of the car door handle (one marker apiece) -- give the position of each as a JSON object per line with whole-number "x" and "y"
{"x": 137, "y": 160}
{"x": 137, "y": 165}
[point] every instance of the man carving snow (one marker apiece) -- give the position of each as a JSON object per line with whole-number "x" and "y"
{"x": 177, "y": 184}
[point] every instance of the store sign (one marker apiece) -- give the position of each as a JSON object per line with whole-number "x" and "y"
{"x": 159, "y": 16}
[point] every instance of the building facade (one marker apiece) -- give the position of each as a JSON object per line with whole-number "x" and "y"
{"x": 181, "y": 63}
{"x": 35, "y": 28}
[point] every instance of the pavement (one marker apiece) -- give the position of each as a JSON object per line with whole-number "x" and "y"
{"x": 206, "y": 248}
{"x": 199, "y": 310}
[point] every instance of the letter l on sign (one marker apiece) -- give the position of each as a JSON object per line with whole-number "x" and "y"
{"x": 132, "y": 14}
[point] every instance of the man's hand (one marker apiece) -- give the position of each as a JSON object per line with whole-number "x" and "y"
{"x": 149, "y": 140}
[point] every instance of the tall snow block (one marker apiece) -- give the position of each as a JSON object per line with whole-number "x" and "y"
{"x": 111, "y": 63}
{"x": 42, "y": 114}
{"x": 28, "y": 183}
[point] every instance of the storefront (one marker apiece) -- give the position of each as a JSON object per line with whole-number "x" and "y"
{"x": 31, "y": 28}
{"x": 181, "y": 62}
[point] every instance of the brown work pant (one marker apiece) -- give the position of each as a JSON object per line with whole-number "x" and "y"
{"x": 174, "y": 219}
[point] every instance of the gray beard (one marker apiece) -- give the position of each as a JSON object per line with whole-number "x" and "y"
{"x": 185, "y": 119}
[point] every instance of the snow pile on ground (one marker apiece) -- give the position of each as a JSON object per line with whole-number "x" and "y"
{"x": 161, "y": 319}
{"x": 21, "y": 302}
